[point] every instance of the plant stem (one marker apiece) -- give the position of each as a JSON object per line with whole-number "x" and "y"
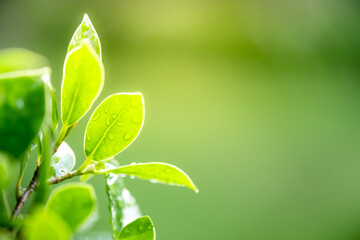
{"x": 34, "y": 184}
{"x": 23, "y": 165}
{"x": 69, "y": 175}
{"x": 85, "y": 164}
{"x": 26, "y": 194}
{"x": 61, "y": 136}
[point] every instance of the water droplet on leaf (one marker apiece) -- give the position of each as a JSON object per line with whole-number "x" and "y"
{"x": 127, "y": 136}
{"x": 107, "y": 122}
{"x": 110, "y": 136}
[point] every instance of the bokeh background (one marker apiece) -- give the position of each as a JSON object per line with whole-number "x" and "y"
{"x": 257, "y": 100}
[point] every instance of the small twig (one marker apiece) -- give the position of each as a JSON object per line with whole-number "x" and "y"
{"x": 26, "y": 194}
{"x": 33, "y": 186}
{"x": 58, "y": 179}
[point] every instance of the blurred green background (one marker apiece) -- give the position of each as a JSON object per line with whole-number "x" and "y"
{"x": 258, "y": 101}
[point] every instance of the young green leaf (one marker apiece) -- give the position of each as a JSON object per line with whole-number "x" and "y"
{"x": 63, "y": 161}
{"x": 22, "y": 108}
{"x": 122, "y": 205}
{"x": 114, "y": 125}
{"x": 54, "y": 110}
{"x": 86, "y": 31}
{"x": 44, "y": 225}
{"x": 82, "y": 83}
{"x": 155, "y": 172}
{"x": 15, "y": 59}
{"x": 76, "y": 203}
{"x": 140, "y": 229}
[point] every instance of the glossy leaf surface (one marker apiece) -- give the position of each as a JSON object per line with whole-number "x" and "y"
{"x": 122, "y": 205}
{"x": 114, "y": 125}
{"x": 44, "y": 225}
{"x": 82, "y": 83}
{"x": 140, "y": 229}
{"x": 156, "y": 172}
{"x": 63, "y": 161}
{"x": 76, "y": 203}
{"x": 22, "y": 108}
{"x": 15, "y": 59}
{"x": 86, "y": 32}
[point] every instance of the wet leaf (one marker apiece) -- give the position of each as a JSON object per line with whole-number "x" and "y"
{"x": 156, "y": 172}
{"x": 76, "y": 203}
{"x": 44, "y": 225}
{"x": 140, "y": 229}
{"x": 82, "y": 83}
{"x": 63, "y": 161}
{"x": 87, "y": 32}
{"x": 114, "y": 125}
{"x": 122, "y": 205}
{"x": 15, "y": 59}
{"x": 22, "y": 108}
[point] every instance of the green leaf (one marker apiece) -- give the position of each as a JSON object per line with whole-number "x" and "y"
{"x": 42, "y": 192}
{"x": 156, "y": 172}
{"x": 140, "y": 229}
{"x": 15, "y": 59}
{"x": 4, "y": 170}
{"x": 44, "y": 225}
{"x": 63, "y": 161}
{"x": 114, "y": 125}
{"x": 82, "y": 83}
{"x": 76, "y": 203}
{"x": 54, "y": 110}
{"x": 122, "y": 205}
{"x": 22, "y": 108}
{"x": 86, "y": 31}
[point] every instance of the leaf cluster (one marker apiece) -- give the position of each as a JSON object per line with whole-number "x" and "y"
{"x": 29, "y": 122}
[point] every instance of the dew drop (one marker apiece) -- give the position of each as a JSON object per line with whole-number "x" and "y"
{"x": 107, "y": 122}
{"x": 88, "y": 138}
{"x": 106, "y": 109}
{"x": 114, "y": 115}
{"x": 119, "y": 123}
{"x": 141, "y": 227}
{"x": 96, "y": 116}
{"x": 135, "y": 119}
{"x": 127, "y": 136}
{"x": 167, "y": 170}
{"x": 127, "y": 231}
{"x": 87, "y": 149}
{"x": 132, "y": 177}
{"x": 110, "y": 136}
{"x": 154, "y": 181}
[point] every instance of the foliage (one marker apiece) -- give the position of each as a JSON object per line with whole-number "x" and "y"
{"x": 29, "y": 120}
